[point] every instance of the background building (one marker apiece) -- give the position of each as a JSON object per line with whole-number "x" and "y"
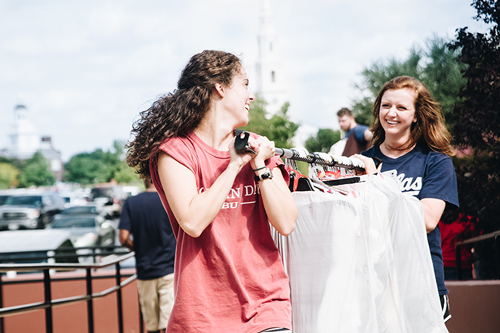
{"x": 24, "y": 141}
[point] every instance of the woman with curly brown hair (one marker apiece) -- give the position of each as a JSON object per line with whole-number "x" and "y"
{"x": 410, "y": 136}
{"x": 228, "y": 274}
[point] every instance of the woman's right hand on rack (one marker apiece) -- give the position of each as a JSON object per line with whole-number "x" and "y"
{"x": 369, "y": 164}
{"x": 264, "y": 149}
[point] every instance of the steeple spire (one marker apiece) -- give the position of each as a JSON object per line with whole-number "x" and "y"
{"x": 269, "y": 73}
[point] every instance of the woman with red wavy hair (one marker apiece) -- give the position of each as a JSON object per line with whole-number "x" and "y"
{"x": 410, "y": 136}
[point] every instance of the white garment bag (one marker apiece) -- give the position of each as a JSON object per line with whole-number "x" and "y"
{"x": 418, "y": 298}
{"x": 361, "y": 263}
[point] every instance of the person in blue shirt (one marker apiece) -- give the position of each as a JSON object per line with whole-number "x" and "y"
{"x": 145, "y": 228}
{"x": 410, "y": 136}
{"x": 356, "y": 139}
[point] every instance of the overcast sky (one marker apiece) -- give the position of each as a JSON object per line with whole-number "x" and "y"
{"x": 85, "y": 69}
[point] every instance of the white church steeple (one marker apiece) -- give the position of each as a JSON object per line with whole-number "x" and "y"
{"x": 270, "y": 81}
{"x": 24, "y": 138}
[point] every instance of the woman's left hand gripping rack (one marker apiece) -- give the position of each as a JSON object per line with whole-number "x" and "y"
{"x": 241, "y": 142}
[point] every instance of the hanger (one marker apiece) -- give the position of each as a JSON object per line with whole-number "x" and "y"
{"x": 342, "y": 181}
{"x": 304, "y": 184}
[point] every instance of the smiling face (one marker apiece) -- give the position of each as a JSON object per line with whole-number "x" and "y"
{"x": 397, "y": 114}
{"x": 238, "y": 98}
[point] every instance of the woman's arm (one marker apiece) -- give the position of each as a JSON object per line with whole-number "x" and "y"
{"x": 195, "y": 211}
{"x": 433, "y": 209}
{"x": 278, "y": 201}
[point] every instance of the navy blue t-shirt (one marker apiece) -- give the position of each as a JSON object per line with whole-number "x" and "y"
{"x": 154, "y": 241}
{"x": 424, "y": 173}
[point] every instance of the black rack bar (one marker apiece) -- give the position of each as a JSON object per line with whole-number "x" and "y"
{"x": 294, "y": 154}
{"x": 241, "y": 145}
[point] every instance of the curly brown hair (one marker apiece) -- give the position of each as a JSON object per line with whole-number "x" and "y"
{"x": 430, "y": 124}
{"x": 179, "y": 112}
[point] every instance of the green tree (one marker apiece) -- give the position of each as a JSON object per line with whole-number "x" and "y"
{"x": 120, "y": 171}
{"x": 478, "y": 123}
{"x": 435, "y": 66}
{"x": 126, "y": 175}
{"x": 87, "y": 168}
{"x": 4, "y": 159}
{"x": 443, "y": 76}
{"x": 362, "y": 110}
{"x": 278, "y": 128}
{"x": 323, "y": 140}
{"x": 8, "y": 176}
{"x": 100, "y": 167}
{"x": 36, "y": 172}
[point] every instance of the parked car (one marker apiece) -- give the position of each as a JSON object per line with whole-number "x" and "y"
{"x": 30, "y": 210}
{"x": 36, "y": 246}
{"x": 4, "y": 194}
{"x": 74, "y": 197}
{"x": 85, "y": 209}
{"x": 3, "y": 198}
{"x": 86, "y": 229}
{"x": 112, "y": 198}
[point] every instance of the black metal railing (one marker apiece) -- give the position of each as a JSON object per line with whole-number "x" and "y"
{"x": 62, "y": 254}
{"x": 495, "y": 235}
{"x": 47, "y": 280}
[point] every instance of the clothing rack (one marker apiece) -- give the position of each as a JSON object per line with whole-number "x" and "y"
{"x": 301, "y": 154}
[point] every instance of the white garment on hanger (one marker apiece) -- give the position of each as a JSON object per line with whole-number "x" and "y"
{"x": 361, "y": 264}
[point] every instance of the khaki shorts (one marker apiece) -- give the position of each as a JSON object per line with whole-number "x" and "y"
{"x": 157, "y": 299}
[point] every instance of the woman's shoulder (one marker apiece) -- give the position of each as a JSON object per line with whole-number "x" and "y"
{"x": 432, "y": 154}
{"x": 176, "y": 141}
{"x": 181, "y": 148}
{"x": 441, "y": 160}
{"x": 435, "y": 159}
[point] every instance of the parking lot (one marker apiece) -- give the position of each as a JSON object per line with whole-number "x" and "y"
{"x": 48, "y": 219}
